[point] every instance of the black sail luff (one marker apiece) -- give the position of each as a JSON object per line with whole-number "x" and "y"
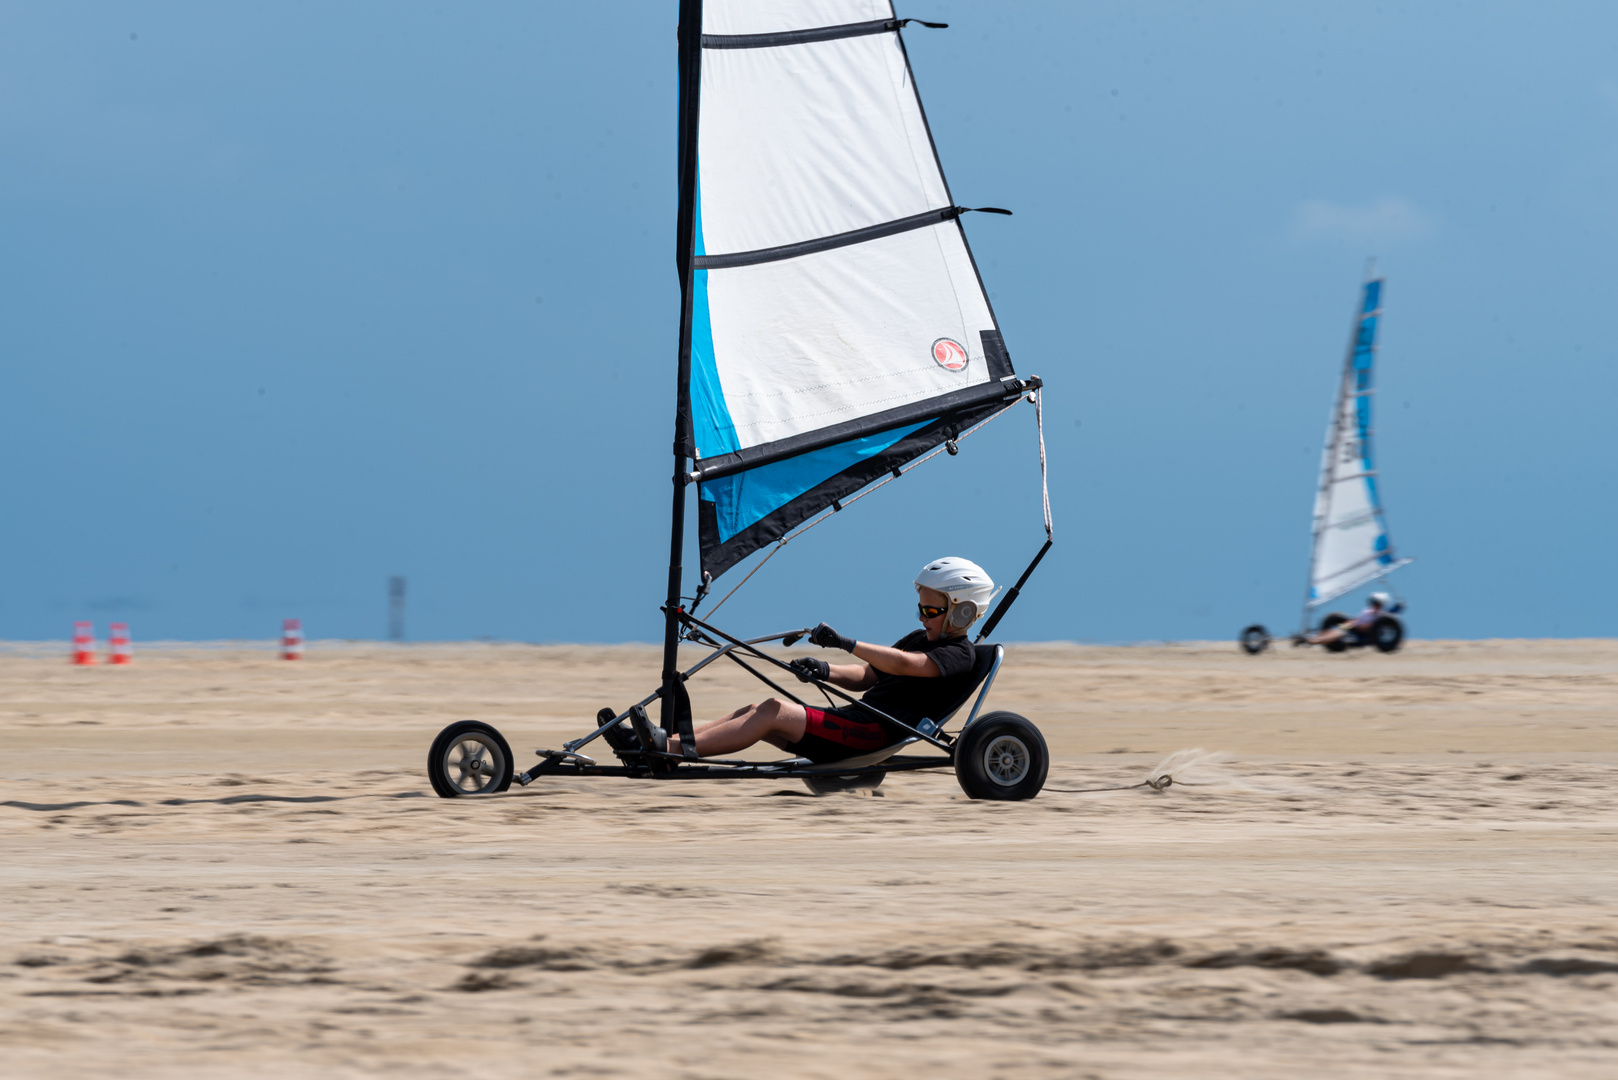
{"x": 690, "y": 75}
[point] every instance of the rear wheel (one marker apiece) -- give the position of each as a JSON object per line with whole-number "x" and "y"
{"x": 831, "y": 783}
{"x": 1332, "y": 622}
{"x": 1001, "y": 756}
{"x": 1254, "y": 640}
{"x": 469, "y": 758}
{"x": 1387, "y": 634}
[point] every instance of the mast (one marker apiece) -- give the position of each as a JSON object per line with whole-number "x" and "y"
{"x": 690, "y": 60}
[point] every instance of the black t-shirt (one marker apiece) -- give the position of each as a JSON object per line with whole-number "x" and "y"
{"x": 913, "y": 697}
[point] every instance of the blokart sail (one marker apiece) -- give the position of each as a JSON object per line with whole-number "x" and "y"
{"x": 836, "y": 327}
{"x": 1351, "y": 542}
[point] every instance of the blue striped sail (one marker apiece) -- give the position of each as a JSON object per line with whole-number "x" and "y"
{"x": 1351, "y": 542}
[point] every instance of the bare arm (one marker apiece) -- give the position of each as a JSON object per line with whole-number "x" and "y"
{"x": 852, "y": 676}
{"x": 882, "y": 658}
{"x": 895, "y": 661}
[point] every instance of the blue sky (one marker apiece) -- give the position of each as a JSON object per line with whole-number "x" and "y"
{"x": 297, "y": 296}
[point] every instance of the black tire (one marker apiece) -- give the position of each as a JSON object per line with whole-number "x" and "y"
{"x": 1001, "y": 756}
{"x": 1254, "y": 640}
{"x": 1387, "y": 634}
{"x": 469, "y": 758}
{"x": 831, "y": 783}
{"x": 1331, "y": 622}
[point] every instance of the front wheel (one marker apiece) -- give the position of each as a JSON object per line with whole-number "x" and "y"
{"x": 1332, "y": 622}
{"x": 469, "y": 758}
{"x": 1254, "y": 640}
{"x": 1387, "y": 634}
{"x": 1001, "y": 756}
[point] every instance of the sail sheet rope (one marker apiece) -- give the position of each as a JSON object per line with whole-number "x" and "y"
{"x": 1044, "y": 483}
{"x": 1045, "y": 492}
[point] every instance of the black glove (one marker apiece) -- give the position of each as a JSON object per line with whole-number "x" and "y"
{"x": 807, "y": 668}
{"x": 827, "y": 638}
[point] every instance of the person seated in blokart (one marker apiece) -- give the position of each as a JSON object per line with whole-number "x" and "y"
{"x": 920, "y": 676}
{"x": 1375, "y": 605}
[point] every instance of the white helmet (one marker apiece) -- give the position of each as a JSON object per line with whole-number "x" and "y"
{"x": 967, "y": 585}
{"x": 1382, "y": 599}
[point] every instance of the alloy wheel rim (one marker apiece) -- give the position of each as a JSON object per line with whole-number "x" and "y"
{"x": 473, "y": 765}
{"x": 1006, "y": 760}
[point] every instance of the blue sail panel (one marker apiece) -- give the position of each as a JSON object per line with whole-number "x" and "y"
{"x": 712, "y": 430}
{"x": 1373, "y": 296}
{"x": 741, "y": 500}
{"x": 742, "y": 512}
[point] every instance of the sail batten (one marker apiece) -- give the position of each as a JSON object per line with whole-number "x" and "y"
{"x": 764, "y": 17}
{"x": 828, "y": 243}
{"x": 1352, "y": 546}
{"x": 798, "y": 37}
{"x": 839, "y": 327}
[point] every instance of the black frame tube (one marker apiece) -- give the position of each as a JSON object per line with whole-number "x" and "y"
{"x": 763, "y": 770}
{"x": 690, "y": 54}
{"x": 1011, "y": 596}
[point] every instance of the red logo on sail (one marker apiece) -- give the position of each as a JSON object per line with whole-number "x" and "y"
{"x": 949, "y": 354}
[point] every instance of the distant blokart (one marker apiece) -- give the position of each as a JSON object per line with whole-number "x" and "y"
{"x": 1351, "y": 545}
{"x": 1385, "y": 634}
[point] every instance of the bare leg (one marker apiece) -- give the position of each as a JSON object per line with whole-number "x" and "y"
{"x": 775, "y": 721}
{"x": 743, "y": 711}
{"x": 1326, "y": 637}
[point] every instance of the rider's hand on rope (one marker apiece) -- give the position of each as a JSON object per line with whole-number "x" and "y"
{"x": 807, "y": 668}
{"x": 827, "y": 638}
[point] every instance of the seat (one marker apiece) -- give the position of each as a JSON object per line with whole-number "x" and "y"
{"x": 985, "y": 665}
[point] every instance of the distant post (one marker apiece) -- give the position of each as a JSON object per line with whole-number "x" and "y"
{"x": 292, "y": 639}
{"x": 84, "y": 643}
{"x": 396, "y": 608}
{"x": 118, "y": 644}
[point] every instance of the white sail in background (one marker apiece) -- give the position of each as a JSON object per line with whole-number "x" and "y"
{"x": 1351, "y": 542}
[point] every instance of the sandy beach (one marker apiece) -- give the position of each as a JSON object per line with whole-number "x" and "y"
{"x": 217, "y": 863}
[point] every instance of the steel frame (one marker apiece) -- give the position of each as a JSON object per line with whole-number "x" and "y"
{"x": 664, "y": 766}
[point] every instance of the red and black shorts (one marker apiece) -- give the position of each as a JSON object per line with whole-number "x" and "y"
{"x": 832, "y": 735}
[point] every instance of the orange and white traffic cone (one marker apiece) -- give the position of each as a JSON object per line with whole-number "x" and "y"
{"x": 84, "y": 643}
{"x": 291, "y": 639}
{"x": 118, "y": 641}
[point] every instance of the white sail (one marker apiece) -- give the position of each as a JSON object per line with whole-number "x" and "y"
{"x": 833, "y": 281}
{"x": 1351, "y": 542}
{"x": 837, "y": 327}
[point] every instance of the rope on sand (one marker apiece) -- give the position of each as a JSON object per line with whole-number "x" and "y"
{"x": 1156, "y": 783}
